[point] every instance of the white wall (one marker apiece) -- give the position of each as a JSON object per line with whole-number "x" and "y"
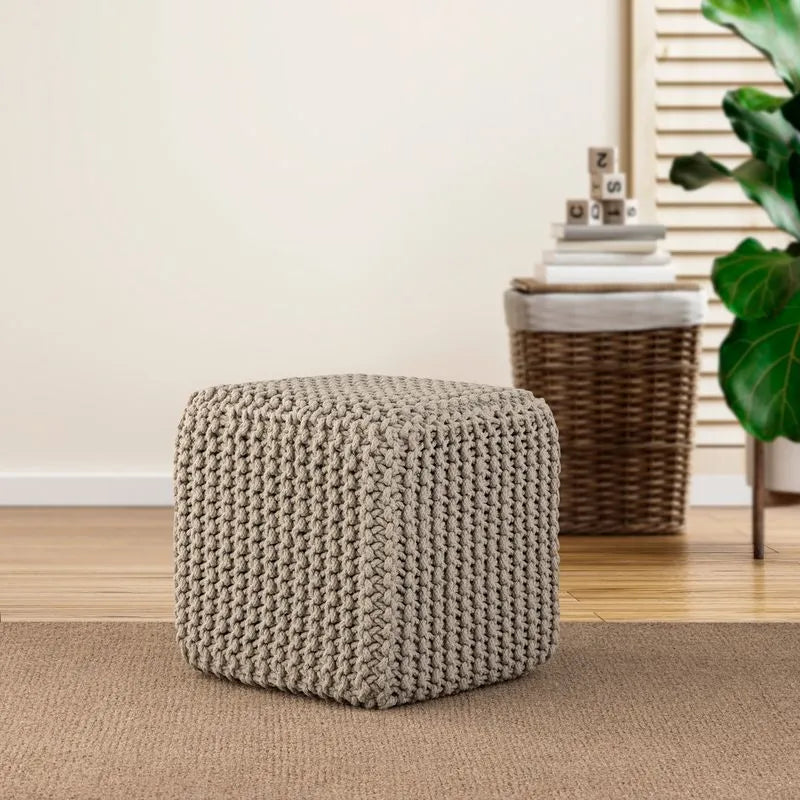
{"x": 204, "y": 192}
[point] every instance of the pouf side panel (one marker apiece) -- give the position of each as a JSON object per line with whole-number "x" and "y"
{"x": 521, "y": 524}
{"x": 184, "y": 530}
{"x": 424, "y": 545}
{"x": 282, "y": 534}
{"x": 479, "y": 573}
{"x": 200, "y": 582}
{"x": 233, "y": 613}
{"x": 326, "y": 468}
{"x": 375, "y": 683}
{"x": 307, "y": 636}
{"x": 543, "y": 501}
{"x": 340, "y": 521}
{"x": 225, "y": 595}
{"x": 411, "y": 613}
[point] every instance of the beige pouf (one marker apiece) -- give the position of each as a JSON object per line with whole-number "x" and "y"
{"x": 374, "y": 540}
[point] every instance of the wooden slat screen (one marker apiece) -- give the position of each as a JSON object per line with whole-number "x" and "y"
{"x": 677, "y": 110}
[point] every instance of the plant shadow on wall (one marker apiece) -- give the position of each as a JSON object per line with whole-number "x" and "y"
{"x": 759, "y": 369}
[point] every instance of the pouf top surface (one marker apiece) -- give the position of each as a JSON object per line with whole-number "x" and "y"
{"x": 379, "y": 394}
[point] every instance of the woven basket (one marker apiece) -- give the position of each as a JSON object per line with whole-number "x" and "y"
{"x": 624, "y": 404}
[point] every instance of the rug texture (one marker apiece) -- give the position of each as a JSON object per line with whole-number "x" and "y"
{"x": 101, "y": 710}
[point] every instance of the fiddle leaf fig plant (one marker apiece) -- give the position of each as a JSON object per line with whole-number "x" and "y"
{"x": 759, "y": 369}
{"x": 769, "y": 25}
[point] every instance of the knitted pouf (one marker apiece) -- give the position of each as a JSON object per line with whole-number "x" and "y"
{"x": 368, "y": 539}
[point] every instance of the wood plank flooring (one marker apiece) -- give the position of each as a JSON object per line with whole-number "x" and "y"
{"x": 115, "y": 563}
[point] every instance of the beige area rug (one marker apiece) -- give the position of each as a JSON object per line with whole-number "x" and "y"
{"x": 623, "y": 711}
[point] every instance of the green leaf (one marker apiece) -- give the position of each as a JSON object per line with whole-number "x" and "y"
{"x": 757, "y": 119}
{"x": 791, "y": 111}
{"x": 794, "y": 176}
{"x": 771, "y": 26}
{"x": 771, "y": 187}
{"x": 694, "y": 172}
{"x": 760, "y": 373}
{"x": 754, "y": 282}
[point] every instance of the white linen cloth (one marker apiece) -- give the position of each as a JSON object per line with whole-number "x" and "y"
{"x": 580, "y": 312}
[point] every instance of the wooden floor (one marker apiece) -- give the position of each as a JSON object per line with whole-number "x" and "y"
{"x": 101, "y": 564}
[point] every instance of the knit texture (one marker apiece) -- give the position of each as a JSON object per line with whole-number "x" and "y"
{"x": 374, "y": 540}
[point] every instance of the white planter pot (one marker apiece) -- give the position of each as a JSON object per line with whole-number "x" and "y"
{"x": 781, "y": 465}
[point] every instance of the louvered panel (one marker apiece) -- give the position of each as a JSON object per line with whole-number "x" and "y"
{"x": 693, "y": 63}
{"x": 718, "y": 242}
{"x": 683, "y": 24}
{"x": 712, "y": 336}
{"x": 698, "y": 95}
{"x": 710, "y": 434}
{"x": 717, "y": 314}
{"x": 723, "y": 193}
{"x": 708, "y": 387}
{"x": 692, "y": 120}
{"x": 676, "y": 5}
{"x": 705, "y": 48}
{"x": 715, "y": 73}
{"x": 715, "y": 144}
{"x": 693, "y": 266}
{"x": 717, "y": 217}
{"x": 706, "y": 285}
{"x": 715, "y": 410}
{"x": 708, "y": 363}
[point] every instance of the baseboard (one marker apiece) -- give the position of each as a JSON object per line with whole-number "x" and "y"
{"x": 85, "y": 489}
{"x": 155, "y": 489}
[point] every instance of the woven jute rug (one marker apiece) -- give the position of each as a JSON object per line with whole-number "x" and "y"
{"x": 623, "y": 711}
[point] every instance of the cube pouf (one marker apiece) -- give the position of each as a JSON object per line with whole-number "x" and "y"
{"x": 373, "y": 540}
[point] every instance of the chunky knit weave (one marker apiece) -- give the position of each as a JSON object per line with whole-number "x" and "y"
{"x": 369, "y": 539}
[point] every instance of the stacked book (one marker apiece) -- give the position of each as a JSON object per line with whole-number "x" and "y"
{"x": 602, "y": 240}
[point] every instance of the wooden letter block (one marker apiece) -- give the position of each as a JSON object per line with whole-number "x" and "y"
{"x": 613, "y": 212}
{"x": 608, "y": 186}
{"x": 631, "y": 212}
{"x": 584, "y": 212}
{"x": 603, "y": 159}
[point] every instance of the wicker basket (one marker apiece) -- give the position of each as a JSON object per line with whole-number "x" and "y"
{"x": 624, "y": 404}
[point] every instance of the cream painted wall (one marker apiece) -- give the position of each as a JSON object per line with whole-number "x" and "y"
{"x": 204, "y": 192}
